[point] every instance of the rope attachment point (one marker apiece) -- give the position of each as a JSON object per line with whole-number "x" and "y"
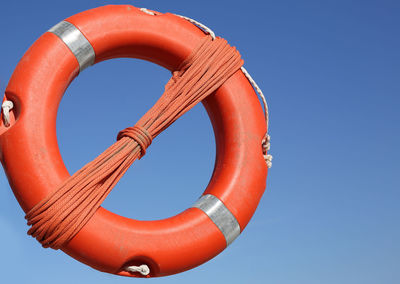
{"x": 142, "y": 269}
{"x": 266, "y": 145}
{"x": 6, "y": 107}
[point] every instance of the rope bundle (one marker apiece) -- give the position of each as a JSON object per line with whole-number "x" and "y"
{"x": 60, "y": 216}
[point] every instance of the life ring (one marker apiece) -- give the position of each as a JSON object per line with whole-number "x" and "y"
{"x": 34, "y": 167}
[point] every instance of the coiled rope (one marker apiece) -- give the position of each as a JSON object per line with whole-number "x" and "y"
{"x": 266, "y": 145}
{"x": 60, "y": 216}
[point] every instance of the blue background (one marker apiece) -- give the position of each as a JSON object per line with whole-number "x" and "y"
{"x": 330, "y": 71}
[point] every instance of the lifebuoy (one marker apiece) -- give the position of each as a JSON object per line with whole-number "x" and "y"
{"x": 34, "y": 167}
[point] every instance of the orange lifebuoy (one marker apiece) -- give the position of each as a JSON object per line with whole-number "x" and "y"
{"x": 34, "y": 167}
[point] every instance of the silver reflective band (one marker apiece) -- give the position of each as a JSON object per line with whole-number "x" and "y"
{"x": 76, "y": 42}
{"x": 220, "y": 215}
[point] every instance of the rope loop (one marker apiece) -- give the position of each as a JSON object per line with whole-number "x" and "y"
{"x": 140, "y": 135}
{"x": 142, "y": 269}
{"x": 6, "y": 107}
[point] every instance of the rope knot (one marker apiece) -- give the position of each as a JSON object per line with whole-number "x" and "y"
{"x": 140, "y": 135}
{"x": 266, "y": 145}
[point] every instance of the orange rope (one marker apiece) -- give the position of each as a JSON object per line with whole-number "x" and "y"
{"x": 61, "y": 215}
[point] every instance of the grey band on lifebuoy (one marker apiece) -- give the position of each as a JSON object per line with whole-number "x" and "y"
{"x": 220, "y": 215}
{"x": 76, "y": 42}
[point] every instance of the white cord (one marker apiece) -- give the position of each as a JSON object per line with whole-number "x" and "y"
{"x": 147, "y": 11}
{"x": 266, "y": 145}
{"x": 6, "y": 107}
{"x": 200, "y": 25}
{"x": 206, "y": 29}
{"x": 143, "y": 269}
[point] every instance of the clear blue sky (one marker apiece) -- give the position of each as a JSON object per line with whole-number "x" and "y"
{"x": 330, "y": 70}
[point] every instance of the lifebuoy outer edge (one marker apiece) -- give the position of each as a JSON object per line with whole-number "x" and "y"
{"x": 34, "y": 167}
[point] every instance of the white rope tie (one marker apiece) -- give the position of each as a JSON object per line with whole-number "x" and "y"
{"x": 143, "y": 269}
{"x": 266, "y": 145}
{"x": 147, "y": 11}
{"x": 6, "y": 107}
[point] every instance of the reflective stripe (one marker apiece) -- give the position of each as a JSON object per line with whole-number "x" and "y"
{"x": 76, "y": 42}
{"x": 220, "y": 215}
